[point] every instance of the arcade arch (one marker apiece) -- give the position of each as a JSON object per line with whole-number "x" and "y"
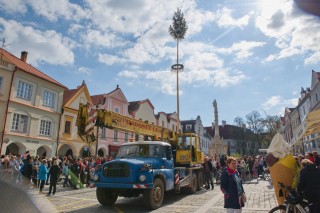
{"x": 44, "y": 151}
{"x": 86, "y": 151}
{"x": 15, "y": 148}
{"x": 66, "y": 150}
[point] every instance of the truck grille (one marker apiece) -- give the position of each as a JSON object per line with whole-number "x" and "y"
{"x": 116, "y": 170}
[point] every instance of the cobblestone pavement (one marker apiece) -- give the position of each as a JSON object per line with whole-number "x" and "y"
{"x": 260, "y": 195}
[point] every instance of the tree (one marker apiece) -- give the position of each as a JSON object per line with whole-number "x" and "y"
{"x": 177, "y": 31}
{"x": 273, "y": 124}
{"x": 240, "y": 135}
{"x": 255, "y": 124}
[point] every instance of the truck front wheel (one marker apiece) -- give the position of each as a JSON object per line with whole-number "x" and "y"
{"x": 153, "y": 197}
{"x": 106, "y": 196}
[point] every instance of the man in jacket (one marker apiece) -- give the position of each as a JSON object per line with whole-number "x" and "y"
{"x": 208, "y": 169}
{"x": 309, "y": 184}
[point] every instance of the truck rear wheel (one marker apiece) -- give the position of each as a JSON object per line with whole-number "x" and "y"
{"x": 153, "y": 197}
{"x": 200, "y": 180}
{"x": 106, "y": 196}
{"x": 194, "y": 184}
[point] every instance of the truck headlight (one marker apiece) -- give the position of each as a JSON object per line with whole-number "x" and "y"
{"x": 142, "y": 178}
{"x": 95, "y": 177}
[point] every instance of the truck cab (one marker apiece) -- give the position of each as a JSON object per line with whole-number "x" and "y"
{"x": 144, "y": 167}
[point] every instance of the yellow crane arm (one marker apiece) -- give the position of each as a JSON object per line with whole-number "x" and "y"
{"x": 88, "y": 115}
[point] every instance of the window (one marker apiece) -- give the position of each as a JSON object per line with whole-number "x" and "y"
{"x": 24, "y": 90}
{"x": 19, "y": 123}
{"x": 1, "y": 82}
{"x": 103, "y": 132}
{"x": 48, "y": 98}
{"x": 115, "y": 135}
{"x": 126, "y": 137}
{"x": 67, "y": 127}
{"x": 188, "y": 127}
{"x": 162, "y": 124}
{"x": 116, "y": 109}
{"x": 45, "y": 127}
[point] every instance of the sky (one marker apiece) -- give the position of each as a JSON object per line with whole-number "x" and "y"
{"x": 247, "y": 55}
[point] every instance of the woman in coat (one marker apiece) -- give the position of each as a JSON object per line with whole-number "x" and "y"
{"x": 231, "y": 186}
{"x": 43, "y": 173}
{"x": 54, "y": 176}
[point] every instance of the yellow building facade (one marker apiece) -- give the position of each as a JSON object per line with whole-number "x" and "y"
{"x": 69, "y": 141}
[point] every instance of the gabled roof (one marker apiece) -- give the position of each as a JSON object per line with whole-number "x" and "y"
{"x": 135, "y": 105}
{"x": 101, "y": 98}
{"x": 70, "y": 94}
{"x": 23, "y": 66}
{"x": 98, "y": 99}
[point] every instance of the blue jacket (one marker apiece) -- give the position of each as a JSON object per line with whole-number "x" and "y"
{"x": 43, "y": 172}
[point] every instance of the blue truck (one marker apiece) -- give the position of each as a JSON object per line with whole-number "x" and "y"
{"x": 167, "y": 162}
{"x": 145, "y": 168}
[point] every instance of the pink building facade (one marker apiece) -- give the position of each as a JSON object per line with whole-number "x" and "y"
{"x": 110, "y": 140}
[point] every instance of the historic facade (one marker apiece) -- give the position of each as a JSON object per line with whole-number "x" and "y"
{"x": 109, "y": 140}
{"x": 69, "y": 141}
{"x": 33, "y": 108}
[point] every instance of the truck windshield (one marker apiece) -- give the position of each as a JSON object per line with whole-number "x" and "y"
{"x": 184, "y": 142}
{"x": 141, "y": 150}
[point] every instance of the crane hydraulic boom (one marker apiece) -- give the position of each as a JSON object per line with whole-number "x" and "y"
{"x": 88, "y": 117}
{"x": 186, "y": 146}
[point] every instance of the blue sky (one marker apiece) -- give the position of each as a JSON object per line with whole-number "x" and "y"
{"x": 248, "y": 55}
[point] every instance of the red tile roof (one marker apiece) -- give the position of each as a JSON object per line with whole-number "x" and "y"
{"x": 68, "y": 94}
{"x": 98, "y": 99}
{"x": 30, "y": 69}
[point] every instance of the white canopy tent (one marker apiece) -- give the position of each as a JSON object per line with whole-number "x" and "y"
{"x": 310, "y": 126}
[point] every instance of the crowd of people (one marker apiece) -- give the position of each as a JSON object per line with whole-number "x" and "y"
{"x": 235, "y": 170}
{"x": 37, "y": 172}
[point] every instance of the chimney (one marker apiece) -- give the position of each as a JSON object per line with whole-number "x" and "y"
{"x": 24, "y": 55}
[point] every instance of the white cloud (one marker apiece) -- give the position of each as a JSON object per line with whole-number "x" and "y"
{"x": 110, "y": 59}
{"x": 313, "y": 59}
{"x": 101, "y": 39}
{"x": 241, "y": 49}
{"x": 279, "y": 102}
{"x": 224, "y": 19}
{"x": 13, "y": 6}
{"x": 224, "y": 78}
{"x": 43, "y": 46}
{"x": 85, "y": 70}
{"x": 53, "y": 10}
{"x": 295, "y": 33}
